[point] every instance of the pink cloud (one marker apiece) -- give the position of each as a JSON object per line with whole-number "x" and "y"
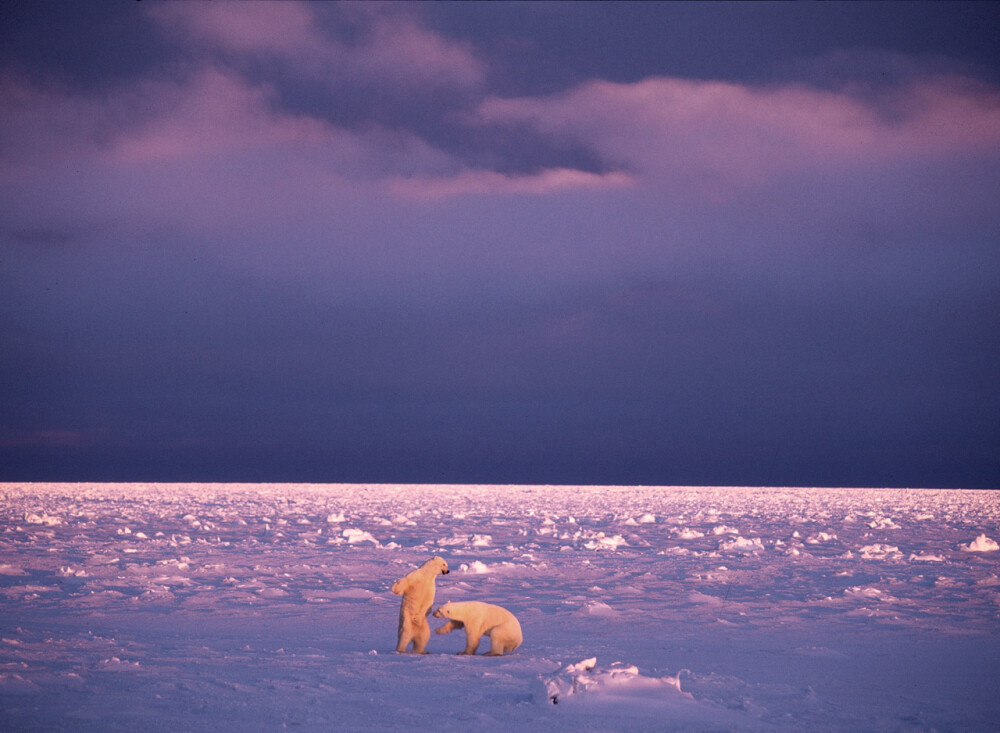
{"x": 401, "y": 49}
{"x": 705, "y": 134}
{"x": 210, "y": 154}
{"x": 209, "y": 115}
{"x": 277, "y": 28}
{"x": 391, "y": 48}
{"x": 479, "y": 182}
{"x": 213, "y": 112}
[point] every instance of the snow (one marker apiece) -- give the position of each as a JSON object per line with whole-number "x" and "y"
{"x": 261, "y": 607}
{"x": 982, "y": 543}
{"x": 618, "y": 680}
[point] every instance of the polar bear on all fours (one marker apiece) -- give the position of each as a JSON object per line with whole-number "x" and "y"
{"x": 417, "y": 589}
{"x": 480, "y": 618}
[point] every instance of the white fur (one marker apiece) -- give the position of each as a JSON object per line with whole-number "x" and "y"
{"x": 417, "y": 590}
{"x": 481, "y": 619}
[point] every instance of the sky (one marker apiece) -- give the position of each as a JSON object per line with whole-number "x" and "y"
{"x": 566, "y": 243}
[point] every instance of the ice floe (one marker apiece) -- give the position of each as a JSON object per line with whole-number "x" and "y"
{"x": 267, "y": 607}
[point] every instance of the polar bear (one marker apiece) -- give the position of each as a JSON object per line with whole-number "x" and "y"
{"x": 417, "y": 590}
{"x": 480, "y": 618}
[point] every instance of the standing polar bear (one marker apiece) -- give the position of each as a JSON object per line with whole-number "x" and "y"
{"x": 417, "y": 590}
{"x": 480, "y": 618}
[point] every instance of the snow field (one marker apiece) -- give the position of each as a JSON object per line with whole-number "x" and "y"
{"x": 195, "y": 607}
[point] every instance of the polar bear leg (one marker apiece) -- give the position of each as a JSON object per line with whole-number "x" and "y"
{"x": 502, "y": 640}
{"x": 472, "y": 637}
{"x": 405, "y": 637}
{"x": 497, "y": 647}
{"x": 421, "y": 635}
{"x": 450, "y": 626}
{"x": 498, "y": 642}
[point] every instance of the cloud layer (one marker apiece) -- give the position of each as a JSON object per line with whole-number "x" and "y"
{"x": 317, "y": 235}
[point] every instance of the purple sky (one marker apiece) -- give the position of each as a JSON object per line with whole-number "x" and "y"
{"x": 505, "y": 242}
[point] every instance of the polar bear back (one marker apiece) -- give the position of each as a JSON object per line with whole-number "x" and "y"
{"x": 482, "y": 616}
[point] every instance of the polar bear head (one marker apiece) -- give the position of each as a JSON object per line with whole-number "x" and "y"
{"x": 422, "y": 578}
{"x": 438, "y": 564}
{"x": 443, "y": 611}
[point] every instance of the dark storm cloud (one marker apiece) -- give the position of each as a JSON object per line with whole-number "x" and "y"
{"x": 539, "y": 48}
{"x": 363, "y": 242}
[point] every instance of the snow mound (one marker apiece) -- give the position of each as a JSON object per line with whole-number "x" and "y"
{"x": 619, "y": 680}
{"x": 453, "y": 541}
{"x": 880, "y": 552}
{"x": 354, "y": 536}
{"x": 115, "y": 664}
{"x": 474, "y": 567}
{"x": 42, "y": 519}
{"x": 601, "y": 542}
{"x": 598, "y": 608}
{"x": 982, "y": 543}
{"x": 742, "y": 544}
{"x": 820, "y": 537}
{"x": 868, "y": 593}
{"x": 15, "y": 684}
{"x": 883, "y": 523}
{"x": 644, "y": 519}
{"x": 724, "y": 529}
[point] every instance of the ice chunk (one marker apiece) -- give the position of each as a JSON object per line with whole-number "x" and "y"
{"x": 883, "y": 523}
{"x": 618, "y": 680}
{"x": 982, "y": 543}
{"x": 925, "y": 557}
{"x": 354, "y": 536}
{"x": 455, "y": 539}
{"x": 598, "y": 608}
{"x": 742, "y": 544}
{"x": 724, "y": 529}
{"x": 116, "y": 664}
{"x": 868, "y": 593}
{"x": 880, "y": 552}
{"x": 820, "y": 537}
{"x": 474, "y": 567}
{"x": 43, "y": 519}
{"x": 15, "y": 684}
{"x": 601, "y": 542}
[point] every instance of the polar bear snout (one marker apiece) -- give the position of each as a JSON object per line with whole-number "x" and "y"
{"x": 439, "y": 562}
{"x": 443, "y": 611}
